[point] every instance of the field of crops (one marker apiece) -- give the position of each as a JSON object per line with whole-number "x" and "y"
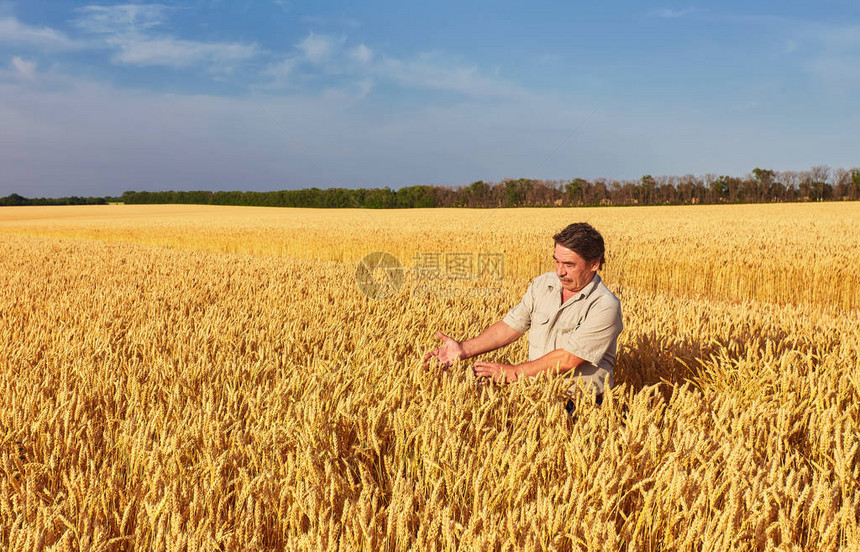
{"x": 216, "y": 378}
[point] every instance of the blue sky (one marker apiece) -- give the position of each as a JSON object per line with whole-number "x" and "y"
{"x": 100, "y": 98}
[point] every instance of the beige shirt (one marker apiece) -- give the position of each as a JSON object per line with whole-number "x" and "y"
{"x": 587, "y": 325}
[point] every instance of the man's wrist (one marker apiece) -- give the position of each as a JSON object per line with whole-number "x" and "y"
{"x": 523, "y": 369}
{"x": 518, "y": 371}
{"x": 466, "y": 352}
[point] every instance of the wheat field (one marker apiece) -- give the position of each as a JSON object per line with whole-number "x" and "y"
{"x": 213, "y": 378}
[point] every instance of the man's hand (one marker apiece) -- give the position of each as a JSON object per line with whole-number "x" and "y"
{"x": 497, "y": 335}
{"x": 447, "y": 353}
{"x": 500, "y": 373}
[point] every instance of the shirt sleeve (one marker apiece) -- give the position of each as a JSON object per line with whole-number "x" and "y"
{"x": 520, "y": 317}
{"x": 596, "y": 334}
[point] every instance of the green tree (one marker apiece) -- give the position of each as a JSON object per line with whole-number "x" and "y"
{"x": 646, "y": 190}
{"x": 762, "y": 185}
{"x": 13, "y": 200}
{"x": 575, "y": 190}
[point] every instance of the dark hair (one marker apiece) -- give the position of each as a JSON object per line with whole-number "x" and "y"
{"x": 584, "y": 240}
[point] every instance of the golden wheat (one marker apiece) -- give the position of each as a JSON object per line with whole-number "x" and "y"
{"x": 199, "y": 378}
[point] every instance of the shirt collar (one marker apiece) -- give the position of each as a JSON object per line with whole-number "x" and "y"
{"x": 555, "y": 285}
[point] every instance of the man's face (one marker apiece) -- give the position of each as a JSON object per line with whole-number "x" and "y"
{"x": 573, "y": 271}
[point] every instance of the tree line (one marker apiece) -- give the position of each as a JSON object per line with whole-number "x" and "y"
{"x": 820, "y": 183}
{"x": 15, "y": 199}
{"x": 760, "y": 186}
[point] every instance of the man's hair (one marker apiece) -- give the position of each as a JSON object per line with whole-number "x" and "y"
{"x": 584, "y": 240}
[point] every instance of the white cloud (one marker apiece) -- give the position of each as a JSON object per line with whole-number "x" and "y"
{"x": 27, "y": 69}
{"x": 326, "y": 21}
{"x": 435, "y": 72}
{"x": 14, "y": 32}
{"x": 319, "y": 48}
{"x": 673, "y": 14}
{"x": 172, "y": 52}
{"x": 361, "y": 53}
{"x": 121, "y": 18}
{"x": 324, "y": 59}
{"x": 131, "y": 30}
{"x": 280, "y": 72}
{"x": 364, "y": 87}
{"x": 348, "y": 94}
{"x": 135, "y": 34}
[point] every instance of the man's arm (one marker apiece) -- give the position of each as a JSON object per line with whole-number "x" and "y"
{"x": 591, "y": 340}
{"x": 559, "y": 359}
{"x": 496, "y": 336}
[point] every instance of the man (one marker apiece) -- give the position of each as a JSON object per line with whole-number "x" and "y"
{"x": 573, "y": 320}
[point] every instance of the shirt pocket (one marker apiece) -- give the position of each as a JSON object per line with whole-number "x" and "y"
{"x": 569, "y": 326}
{"x": 565, "y": 332}
{"x": 539, "y": 331}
